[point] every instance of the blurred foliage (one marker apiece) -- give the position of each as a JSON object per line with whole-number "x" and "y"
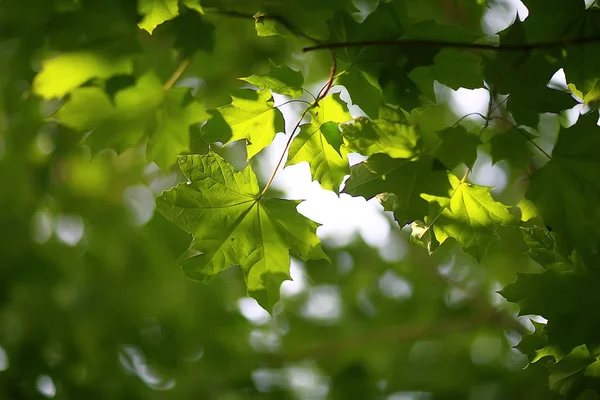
{"x": 97, "y": 100}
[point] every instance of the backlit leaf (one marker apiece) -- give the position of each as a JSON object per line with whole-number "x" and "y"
{"x": 250, "y": 117}
{"x": 469, "y": 215}
{"x": 233, "y": 225}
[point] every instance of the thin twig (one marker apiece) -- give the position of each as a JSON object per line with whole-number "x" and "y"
{"x": 323, "y": 92}
{"x": 177, "y": 74}
{"x": 465, "y": 116}
{"x": 525, "y": 135}
{"x": 293, "y": 101}
{"x": 458, "y": 45}
{"x": 287, "y": 145}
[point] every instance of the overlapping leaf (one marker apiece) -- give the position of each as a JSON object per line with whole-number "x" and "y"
{"x": 115, "y": 126}
{"x": 156, "y": 12}
{"x": 139, "y": 110}
{"x": 391, "y": 134}
{"x": 404, "y": 178}
{"x": 314, "y": 145}
{"x": 250, "y": 117}
{"x": 364, "y": 88}
{"x": 457, "y": 146}
{"x": 282, "y": 80}
{"x": 468, "y": 214}
{"x": 567, "y": 189}
{"x": 232, "y": 224}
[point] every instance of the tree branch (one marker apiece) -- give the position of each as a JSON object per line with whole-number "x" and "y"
{"x": 457, "y": 45}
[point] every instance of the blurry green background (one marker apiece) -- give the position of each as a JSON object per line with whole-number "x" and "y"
{"x": 93, "y": 305}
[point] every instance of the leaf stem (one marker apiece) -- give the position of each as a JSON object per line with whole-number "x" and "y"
{"x": 177, "y": 74}
{"x": 526, "y": 136}
{"x": 287, "y": 145}
{"x": 322, "y": 93}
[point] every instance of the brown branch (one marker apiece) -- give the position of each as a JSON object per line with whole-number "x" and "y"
{"x": 457, "y": 45}
{"x": 325, "y": 89}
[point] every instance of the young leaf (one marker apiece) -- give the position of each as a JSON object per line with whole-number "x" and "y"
{"x": 327, "y": 165}
{"x": 251, "y": 117}
{"x": 67, "y": 71}
{"x": 282, "y": 80}
{"x": 233, "y": 225}
{"x": 469, "y": 215}
{"x": 156, "y": 12}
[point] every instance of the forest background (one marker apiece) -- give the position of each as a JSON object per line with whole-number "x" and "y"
{"x": 299, "y": 199}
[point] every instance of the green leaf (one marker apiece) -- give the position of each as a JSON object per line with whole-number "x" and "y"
{"x": 156, "y": 12}
{"x": 250, "y": 117}
{"x": 268, "y": 27}
{"x": 406, "y": 179}
{"x": 391, "y": 134}
{"x": 67, "y": 71}
{"x": 364, "y": 89}
{"x": 565, "y": 374}
{"x": 529, "y": 77}
{"x": 567, "y": 189}
{"x": 172, "y": 134}
{"x": 282, "y": 80}
{"x": 453, "y": 68}
{"x": 192, "y": 32}
{"x": 232, "y": 225}
{"x": 457, "y": 146}
{"x": 469, "y": 215}
{"x": 512, "y": 147}
{"x": 331, "y": 132}
{"x": 115, "y": 126}
{"x": 327, "y": 165}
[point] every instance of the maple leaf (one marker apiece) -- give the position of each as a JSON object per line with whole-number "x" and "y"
{"x": 405, "y": 178}
{"x": 364, "y": 87}
{"x": 250, "y": 117}
{"x": 391, "y": 134}
{"x": 138, "y": 110}
{"x": 469, "y": 215}
{"x": 115, "y": 126}
{"x": 282, "y": 80}
{"x": 156, "y": 12}
{"x": 567, "y": 189}
{"x": 320, "y": 145}
{"x": 457, "y": 146}
{"x": 232, "y": 225}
